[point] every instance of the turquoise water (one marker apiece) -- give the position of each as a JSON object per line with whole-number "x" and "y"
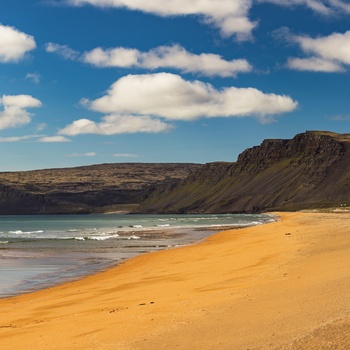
{"x": 41, "y": 251}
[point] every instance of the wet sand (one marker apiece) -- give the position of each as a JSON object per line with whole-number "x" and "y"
{"x": 283, "y": 285}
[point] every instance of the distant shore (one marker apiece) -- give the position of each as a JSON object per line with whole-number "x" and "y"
{"x": 283, "y": 285}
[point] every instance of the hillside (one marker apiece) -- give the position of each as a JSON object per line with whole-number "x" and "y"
{"x": 87, "y": 189}
{"x": 312, "y": 170}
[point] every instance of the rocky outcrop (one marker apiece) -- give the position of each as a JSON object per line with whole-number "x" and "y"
{"x": 89, "y": 189}
{"x": 312, "y": 170}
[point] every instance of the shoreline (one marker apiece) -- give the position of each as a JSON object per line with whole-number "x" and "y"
{"x": 281, "y": 285}
{"x": 104, "y": 264}
{"x": 60, "y": 260}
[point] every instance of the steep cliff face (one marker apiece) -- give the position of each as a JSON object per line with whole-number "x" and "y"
{"x": 88, "y": 189}
{"x": 312, "y": 170}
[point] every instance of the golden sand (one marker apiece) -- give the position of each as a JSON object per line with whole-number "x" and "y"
{"x": 283, "y": 285}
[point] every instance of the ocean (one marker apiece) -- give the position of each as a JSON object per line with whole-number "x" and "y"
{"x": 40, "y": 251}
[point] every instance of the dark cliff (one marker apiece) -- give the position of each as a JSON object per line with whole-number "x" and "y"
{"x": 312, "y": 170}
{"x": 88, "y": 189}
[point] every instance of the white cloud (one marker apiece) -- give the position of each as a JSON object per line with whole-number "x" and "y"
{"x": 125, "y": 155}
{"x": 171, "y": 97}
{"x": 116, "y": 124}
{"x": 20, "y": 101}
{"x": 175, "y": 57}
{"x": 324, "y": 7}
{"x": 41, "y": 127}
{"x": 328, "y": 54}
{"x": 88, "y": 154}
{"x": 62, "y": 50}
{"x": 230, "y": 16}
{"x": 342, "y": 5}
{"x": 18, "y": 138}
{"x": 14, "y": 44}
{"x": 40, "y": 138}
{"x": 117, "y": 57}
{"x": 340, "y": 118}
{"x": 15, "y": 110}
{"x": 331, "y": 47}
{"x": 53, "y": 139}
{"x": 140, "y": 103}
{"x": 314, "y": 64}
{"x": 34, "y": 77}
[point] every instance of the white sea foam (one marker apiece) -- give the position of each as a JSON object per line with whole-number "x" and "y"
{"x": 165, "y": 225}
{"x": 255, "y": 223}
{"x": 79, "y": 238}
{"x": 101, "y": 238}
{"x": 4, "y": 242}
{"x": 137, "y": 226}
{"x": 133, "y": 237}
{"x": 20, "y": 232}
{"x": 111, "y": 233}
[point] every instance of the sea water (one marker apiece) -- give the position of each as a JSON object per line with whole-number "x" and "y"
{"x": 40, "y": 251}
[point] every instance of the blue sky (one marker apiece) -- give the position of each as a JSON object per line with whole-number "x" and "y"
{"x": 104, "y": 81}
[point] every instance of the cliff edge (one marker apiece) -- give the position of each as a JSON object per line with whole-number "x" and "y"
{"x": 312, "y": 170}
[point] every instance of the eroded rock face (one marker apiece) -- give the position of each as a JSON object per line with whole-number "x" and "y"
{"x": 312, "y": 170}
{"x": 89, "y": 189}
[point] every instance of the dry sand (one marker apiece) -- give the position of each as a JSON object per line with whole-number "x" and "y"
{"x": 284, "y": 285}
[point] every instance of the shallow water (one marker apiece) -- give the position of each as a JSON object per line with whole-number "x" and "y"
{"x": 41, "y": 251}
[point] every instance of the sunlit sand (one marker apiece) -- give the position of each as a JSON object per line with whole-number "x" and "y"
{"x": 283, "y": 285}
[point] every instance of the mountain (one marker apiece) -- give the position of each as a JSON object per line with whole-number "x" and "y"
{"x": 312, "y": 170}
{"x": 89, "y": 189}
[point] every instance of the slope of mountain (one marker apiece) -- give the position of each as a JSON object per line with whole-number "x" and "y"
{"x": 312, "y": 170}
{"x": 87, "y": 189}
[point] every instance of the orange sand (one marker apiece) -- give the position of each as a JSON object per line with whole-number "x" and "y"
{"x": 284, "y": 285}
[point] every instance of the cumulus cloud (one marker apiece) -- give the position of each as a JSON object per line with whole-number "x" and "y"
{"x": 62, "y": 50}
{"x": 171, "y": 97}
{"x": 18, "y": 138}
{"x": 116, "y": 124}
{"x": 14, "y": 44}
{"x": 327, "y": 54}
{"x": 88, "y": 154}
{"x": 125, "y": 155}
{"x": 117, "y": 57}
{"x": 174, "y": 56}
{"x": 340, "y": 118}
{"x": 41, "y": 127}
{"x": 230, "y": 16}
{"x": 34, "y": 77}
{"x": 39, "y": 138}
{"x": 332, "y": 47}
{"x": 146, "y": 103}
{"x": 314, "y": 64}
{"x": 14, "y": 111}
{"x": 324, "y": 7}
{"x": 53, "y": 139}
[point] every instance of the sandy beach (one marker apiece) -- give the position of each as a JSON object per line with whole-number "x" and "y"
{"x": 283, "y": 285}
